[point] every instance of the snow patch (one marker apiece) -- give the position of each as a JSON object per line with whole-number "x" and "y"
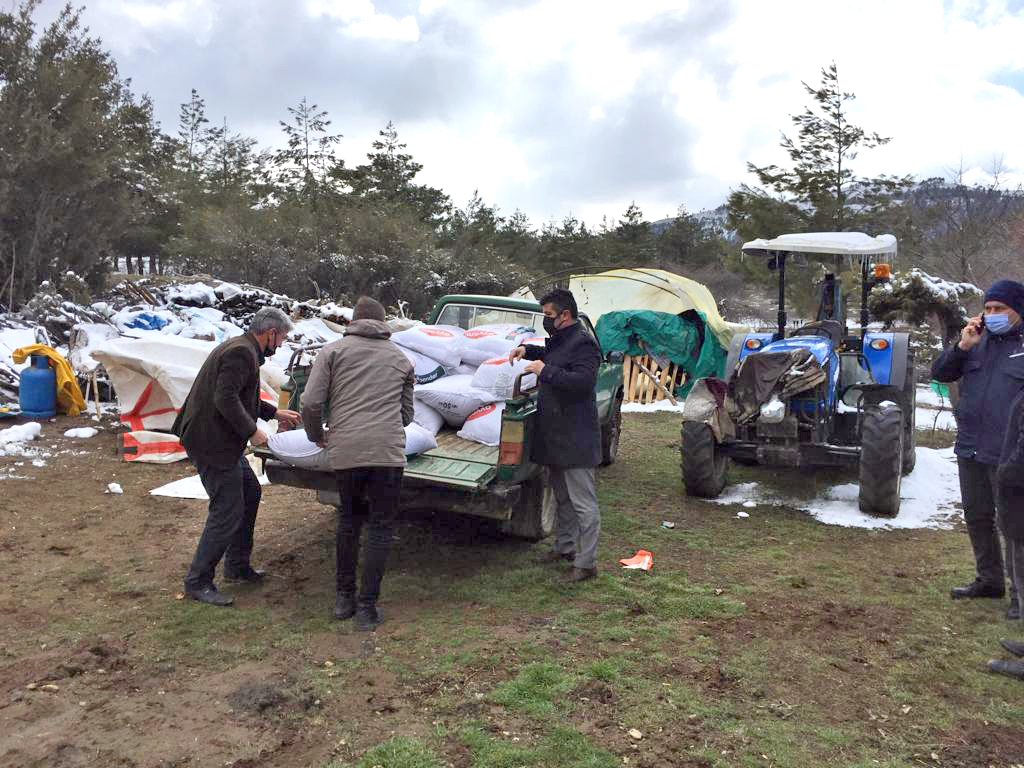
{"x": 82, "y": 432}
{"x": 930, "y": 497}
{"x": 660, "y": 405}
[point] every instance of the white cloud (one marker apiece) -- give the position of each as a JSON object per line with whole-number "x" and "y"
{"x": 566, "y": 105}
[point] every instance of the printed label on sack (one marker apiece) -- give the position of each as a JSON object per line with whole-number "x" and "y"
{"x": 479, "y": 334}
{"x": 496, "y": 361}
{"x": 479, "y": 413}
{"x": 437, "y": 333}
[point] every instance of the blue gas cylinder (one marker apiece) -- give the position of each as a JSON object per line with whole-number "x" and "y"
{"x": 37, "y": 392}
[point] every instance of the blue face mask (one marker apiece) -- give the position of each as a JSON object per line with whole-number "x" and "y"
{"x": 997, "y": 323}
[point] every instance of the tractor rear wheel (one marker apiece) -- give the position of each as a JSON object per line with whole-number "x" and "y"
{"x": 881, "y": 460}
{"x": 703, "y": 462}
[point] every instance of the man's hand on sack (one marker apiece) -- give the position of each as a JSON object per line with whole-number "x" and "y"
{"x": 288, "y": 418}
{"x": 259, "y": 437}
{"x": 535, "y": 367}
{"x": 971, "y": 334}
{"x": 516, "y": 354}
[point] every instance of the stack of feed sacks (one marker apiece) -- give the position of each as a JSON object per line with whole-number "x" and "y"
{"x": 464, "y": 376}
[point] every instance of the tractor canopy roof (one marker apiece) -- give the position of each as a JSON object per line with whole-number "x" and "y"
{"x": 825, "y": 243}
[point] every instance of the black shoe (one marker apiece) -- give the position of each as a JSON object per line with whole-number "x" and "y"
{"x": 1008, "y": 668}
{"x": 582, "y": 574}
{"x": 245, "y": 575}
{"x": 1017, "y": 649}
{"x": 557, "y": 557}
{"x": 367, "y": 619}
{"x": 209, "y": 595}
{"x": 1013, "y": 612}
{"x": 344, "y": 606}
{"x": 977, "y": 589}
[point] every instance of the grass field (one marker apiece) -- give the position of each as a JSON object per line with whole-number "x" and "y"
{"x": 766, "y": 641}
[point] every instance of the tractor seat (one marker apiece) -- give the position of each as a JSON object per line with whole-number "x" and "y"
{"x": 830, "y": 329}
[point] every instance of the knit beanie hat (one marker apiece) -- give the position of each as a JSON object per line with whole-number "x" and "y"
{"x": 368, "y": 309}
{"x": 1010, "y": 292}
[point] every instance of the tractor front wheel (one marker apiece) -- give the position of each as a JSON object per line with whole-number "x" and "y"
{"x": 881, "y": 460}
{"x": 703, "y": 462}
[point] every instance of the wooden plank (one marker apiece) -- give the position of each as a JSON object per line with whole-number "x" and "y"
{"x": 642, "y": 363}
{"x": 627, "y": 371}
{"x": 634, "y": 374}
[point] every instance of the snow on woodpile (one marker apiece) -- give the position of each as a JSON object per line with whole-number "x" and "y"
{"x": 206, "y": 309}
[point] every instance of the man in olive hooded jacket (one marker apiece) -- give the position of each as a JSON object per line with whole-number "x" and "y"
{"x": 368, "y": 383}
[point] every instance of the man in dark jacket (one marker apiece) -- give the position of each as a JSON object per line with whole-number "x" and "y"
{"x": 216, "y": 421}
{"x": 989, "y": 362}
{"x": 1010, "y": 497}
{"x": 568, "y": 439}
{"x": 368, "y": 383}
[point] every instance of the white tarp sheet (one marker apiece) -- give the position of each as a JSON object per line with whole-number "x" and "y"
{"x": 153, "y": 375}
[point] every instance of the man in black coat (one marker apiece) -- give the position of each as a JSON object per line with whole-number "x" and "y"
{"x": 988, "y": 360}
{"x": 215, "y": 423}
{"x": 568, "y": 435}
{"x": 1010, "y": 496}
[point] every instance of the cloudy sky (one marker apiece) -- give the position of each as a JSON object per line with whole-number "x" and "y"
{"x": 566, "y": 106}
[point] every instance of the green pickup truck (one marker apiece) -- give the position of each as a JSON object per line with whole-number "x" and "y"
{"x": 499, "y": 483}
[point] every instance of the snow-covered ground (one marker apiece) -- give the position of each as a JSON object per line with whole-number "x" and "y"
{"x": 930, "y": 497}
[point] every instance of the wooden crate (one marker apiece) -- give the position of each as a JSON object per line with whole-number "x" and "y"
{"x": 638, "y": 386}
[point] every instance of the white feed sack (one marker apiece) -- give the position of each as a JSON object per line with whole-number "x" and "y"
{"x": 498, "y": 377}
{"x": 427, "y": 417}
{"x": 486, "y": 341}
{"x": 294, "y": 448}
{"x": 484, "y": 425}
{"x": 425, "y": 369}
{"x": 442, "y": 343}
{"x": 454, "y": 397}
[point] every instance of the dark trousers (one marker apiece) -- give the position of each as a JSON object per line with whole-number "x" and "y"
{"x": 978, "y": 491}
{"x": 234, "y": 500}
{"x": 370, "y": 496}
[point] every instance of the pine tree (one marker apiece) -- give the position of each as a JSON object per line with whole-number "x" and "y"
{"x": 819, "y": 190}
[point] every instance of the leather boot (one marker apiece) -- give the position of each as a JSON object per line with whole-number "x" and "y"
{"x": 245, "y": 575}
{"x": 977, "y": 589}
{"x": 367, "y": 619}
{"x": 1017, "y": 649}
{"x": 582, "y": 574}
{"x": 1013, "y": 612}
{"x": 344, "y": 605}
{"x": 209, "y": 595}
{"x": 1008, "y": 668}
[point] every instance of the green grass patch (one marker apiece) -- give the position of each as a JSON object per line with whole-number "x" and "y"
{"x": 561, "y": 748}
{"x": 399, "y": 752}
{"x": 535, "y": 689}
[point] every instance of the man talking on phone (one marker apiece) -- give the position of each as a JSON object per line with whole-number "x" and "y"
{"x": 988, "y": 360}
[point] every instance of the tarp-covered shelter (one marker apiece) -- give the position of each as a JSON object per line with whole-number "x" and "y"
{"x": 653, "y": 289}
{"x": 681, "y": 339}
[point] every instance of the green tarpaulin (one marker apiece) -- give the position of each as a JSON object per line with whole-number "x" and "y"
{"x": 674, "y": 338}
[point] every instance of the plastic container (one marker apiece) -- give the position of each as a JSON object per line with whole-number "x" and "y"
{"x": 37, "y": 392}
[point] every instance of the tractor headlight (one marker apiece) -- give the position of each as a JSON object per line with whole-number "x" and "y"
{"x": 879, "y": 344}
{"x": 753, "y": 344}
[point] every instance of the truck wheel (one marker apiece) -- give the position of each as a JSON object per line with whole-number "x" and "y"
{"x": 703, "y": 462}
{"x": 610, "y": 434}
{"x": 533, "y": 517}
{"x": 910, "y": 427}
{"x": 881, "y": 460}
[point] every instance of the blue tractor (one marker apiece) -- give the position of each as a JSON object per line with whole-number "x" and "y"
{"x": 819, "y": 396}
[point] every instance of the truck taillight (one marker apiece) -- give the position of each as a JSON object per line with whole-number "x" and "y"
{"x": 510, "y": 453}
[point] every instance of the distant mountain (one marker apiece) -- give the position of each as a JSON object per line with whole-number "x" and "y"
{"x": 713, "y": 216}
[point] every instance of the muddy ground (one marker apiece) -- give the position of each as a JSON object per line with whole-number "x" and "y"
{"x": 769, "y": 641}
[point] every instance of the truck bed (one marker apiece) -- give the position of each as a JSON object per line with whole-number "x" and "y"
{"x": 455, "y": 462}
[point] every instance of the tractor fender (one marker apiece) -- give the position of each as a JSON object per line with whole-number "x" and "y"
{"x": 889, "y": 365}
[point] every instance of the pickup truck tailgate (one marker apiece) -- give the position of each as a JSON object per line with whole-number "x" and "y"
{"x": 455, "y": 463}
